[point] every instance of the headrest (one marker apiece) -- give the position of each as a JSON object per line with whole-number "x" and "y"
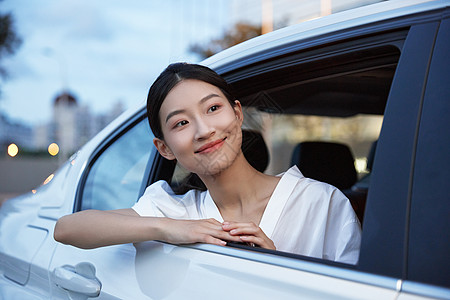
{"x": 328, "y": 162}
{"x": 255, "y": 149}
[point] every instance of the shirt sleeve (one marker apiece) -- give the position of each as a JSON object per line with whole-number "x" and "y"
{"x": 349, "y": 243}
{"x": 159, "y": 200}
{"x": 346, "y": 229}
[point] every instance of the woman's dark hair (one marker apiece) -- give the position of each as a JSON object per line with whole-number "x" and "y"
{"x": 169, "y": 78}
{"x": 166, "y": 81}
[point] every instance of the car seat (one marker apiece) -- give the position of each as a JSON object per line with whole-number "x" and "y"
{"x": 255, "y": 149}
{"x": 332, "y": 163}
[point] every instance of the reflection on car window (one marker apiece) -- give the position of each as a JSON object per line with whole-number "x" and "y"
{"x": 115, "y": 178}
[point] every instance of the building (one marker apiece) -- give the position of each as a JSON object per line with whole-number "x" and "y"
{"x": 72, "y": 124}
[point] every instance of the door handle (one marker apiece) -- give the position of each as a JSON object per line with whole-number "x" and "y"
{"x": 78, "y": 280}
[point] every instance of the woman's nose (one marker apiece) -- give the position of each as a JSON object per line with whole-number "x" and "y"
{"x": 204, "y": 130}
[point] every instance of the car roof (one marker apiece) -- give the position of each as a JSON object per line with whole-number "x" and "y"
{"x": 281, "y": 39}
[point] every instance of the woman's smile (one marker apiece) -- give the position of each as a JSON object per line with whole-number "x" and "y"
{"x": 210, "y": 147}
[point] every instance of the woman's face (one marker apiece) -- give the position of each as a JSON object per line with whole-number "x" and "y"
{"x": 200, "y": 127}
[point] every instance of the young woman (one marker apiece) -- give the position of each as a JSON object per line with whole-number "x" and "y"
{"x": 197, "y": 122}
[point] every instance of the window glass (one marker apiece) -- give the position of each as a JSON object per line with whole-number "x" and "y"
{"x": 115, "y": 178}
{"x": 357, "y": 132}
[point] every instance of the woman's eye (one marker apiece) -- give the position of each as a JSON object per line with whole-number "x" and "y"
{"x": 213, "y": 108}
{"x": 181, "y": 123}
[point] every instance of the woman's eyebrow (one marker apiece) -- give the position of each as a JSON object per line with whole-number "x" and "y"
{"x": 206, "y": 98}
{"x": 175, "y": 112}
{"x": 180, "y": 111}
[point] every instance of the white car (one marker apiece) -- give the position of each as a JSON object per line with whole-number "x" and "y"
{"x": 385, "y": 66}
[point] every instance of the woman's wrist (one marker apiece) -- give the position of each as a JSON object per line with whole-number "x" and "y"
{"x": 158, "y": 228}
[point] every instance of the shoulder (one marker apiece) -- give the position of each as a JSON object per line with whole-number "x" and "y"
{"x": 305, "y": 184}
{"x": 160, "y": 200}
{"x": 317, "y": 195}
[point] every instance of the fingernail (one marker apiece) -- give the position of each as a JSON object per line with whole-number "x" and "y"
{"x": 233, "y": 231}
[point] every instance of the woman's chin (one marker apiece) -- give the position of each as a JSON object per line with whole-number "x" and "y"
{"x": 217, "y": 166}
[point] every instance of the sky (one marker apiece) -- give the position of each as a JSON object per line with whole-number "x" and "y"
{"x": 101, "y": 51}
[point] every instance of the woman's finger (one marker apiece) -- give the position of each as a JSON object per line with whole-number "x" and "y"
{"x": 243, "y": 228}
{"x": 228, "y": 226}
{"x": 262, "y": 242}
{"x": 215, "y": 241}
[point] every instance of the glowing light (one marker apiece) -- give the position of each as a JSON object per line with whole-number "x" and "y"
{"x": 33, "y": 191}
{"x": 361, "y": 164}
{"x": 13, "y": 150}
{"x": 48, "y": 179}
{"x": 53, "y": 149}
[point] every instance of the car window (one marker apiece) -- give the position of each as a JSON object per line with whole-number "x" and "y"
{"x": 114, "y": 179}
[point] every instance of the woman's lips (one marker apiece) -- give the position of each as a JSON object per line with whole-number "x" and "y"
{"x": 210, "y": 147}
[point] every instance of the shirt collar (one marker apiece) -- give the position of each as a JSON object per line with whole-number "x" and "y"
{"x": 274, "y": 207}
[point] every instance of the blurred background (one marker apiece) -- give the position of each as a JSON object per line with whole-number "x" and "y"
{"x": 69, "y": 67}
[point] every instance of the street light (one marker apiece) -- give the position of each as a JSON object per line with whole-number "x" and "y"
{"x": 53, "y": 149}
{"x": 13, "y": 150}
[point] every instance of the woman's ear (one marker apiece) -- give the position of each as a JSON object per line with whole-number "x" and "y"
{"x": 238, "y": 111}
{"x": 163, "y": 149}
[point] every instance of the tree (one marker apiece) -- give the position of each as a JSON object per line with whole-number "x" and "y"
{"x": 9, "y": 40}
{"x": 238, "y": 34}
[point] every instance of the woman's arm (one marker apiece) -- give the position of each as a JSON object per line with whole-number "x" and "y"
{"x": 95, "y": 228}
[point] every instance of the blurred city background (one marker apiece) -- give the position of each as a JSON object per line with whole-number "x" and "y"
{"x": 69, "y": 67}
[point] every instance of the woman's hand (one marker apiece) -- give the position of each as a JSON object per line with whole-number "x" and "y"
{"x": 249, "y": 233}
{"x": 196, "y": 231}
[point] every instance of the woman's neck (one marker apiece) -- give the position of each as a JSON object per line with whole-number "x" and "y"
{"x": 240, "y": 192}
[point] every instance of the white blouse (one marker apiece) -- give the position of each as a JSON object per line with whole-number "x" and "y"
{"x": 303, "y": 216}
